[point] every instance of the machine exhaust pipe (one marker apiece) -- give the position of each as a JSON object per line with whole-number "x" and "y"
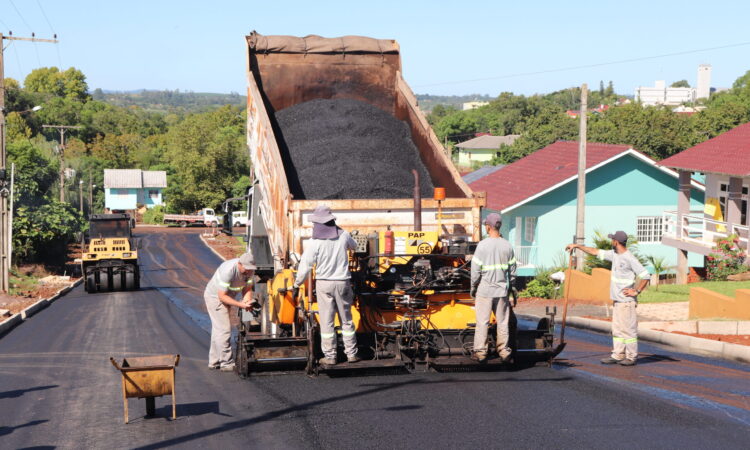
{"x": 417, "y": 202}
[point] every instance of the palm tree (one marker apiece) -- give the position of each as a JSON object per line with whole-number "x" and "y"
{"x": 660, "y": 266}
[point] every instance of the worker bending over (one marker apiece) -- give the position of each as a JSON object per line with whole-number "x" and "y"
{"x": 232, "y": 276}
{"x": 492, "y": 260}
{"x": 328, "y": 252}
{"x": 623, "y": 290}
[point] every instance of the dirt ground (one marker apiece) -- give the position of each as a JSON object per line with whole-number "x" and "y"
{"x": 227, "y": 246}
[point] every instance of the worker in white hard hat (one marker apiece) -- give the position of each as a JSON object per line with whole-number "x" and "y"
{"x": 232, "y": 277}
{"x": 493, "y": 269}
{"x": 328, "y": 251}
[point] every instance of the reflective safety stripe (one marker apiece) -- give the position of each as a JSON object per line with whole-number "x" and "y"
{"x": 499, "y": 266}
{"x": 479, "y": 261}
{"x": 348, "y": 333}
{"x": 327, "y": 335}
{"x": 631, "y": 340}
{"x": 622, "y": 280}
{"x": 600, "y": 255}
{"x": 221, "y": 283}
{"x": 249, "y": 282}
{"x": 643, "y": 275}
{"x": 625, "y": 340}
{"x": 233, "y": 288}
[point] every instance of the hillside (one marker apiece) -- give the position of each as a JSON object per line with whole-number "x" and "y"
{"x": 169, "y": 101}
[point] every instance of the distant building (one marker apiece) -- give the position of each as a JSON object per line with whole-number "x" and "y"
{"x": 125, "y": 189}
{"x": 474, "y": 105}
{"x": 574, "y": 113}
{"x": 660, "y": 94}
{"x": 482, "y": 148}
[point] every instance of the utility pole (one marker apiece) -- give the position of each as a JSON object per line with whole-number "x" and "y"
{"x": 61, "y": 153}
{"x": 581, "y": 203}
{"x": 5, "y": 237}
{"x": 91, "y": 195}
{"x": 80, "y": 195}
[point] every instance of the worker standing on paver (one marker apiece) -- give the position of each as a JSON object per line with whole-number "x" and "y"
{"x": 232, "y": 276}
{"x": 328, "y": 251}
{"x": 623, "y": 290}
{"x": 492, "y": 260}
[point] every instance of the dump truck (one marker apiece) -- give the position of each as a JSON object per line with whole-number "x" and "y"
{"x": 110, "y": 256}
{"x": 205, "y": 217}
{"x": 411, "y": 269}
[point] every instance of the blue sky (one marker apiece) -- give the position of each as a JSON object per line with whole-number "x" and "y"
{"x": 199, "y": 45}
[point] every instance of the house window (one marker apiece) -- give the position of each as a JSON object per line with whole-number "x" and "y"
{"x": 530, "y": 229}
{"x": 723, "y": 194}
{"x": 649, "y": 230}
{"x": 153, "y": 193}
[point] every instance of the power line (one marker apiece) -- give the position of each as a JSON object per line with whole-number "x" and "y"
{"x": 21, "y": 16}
{"x": 45, "y": 17}
{"x": 587, "y": 66}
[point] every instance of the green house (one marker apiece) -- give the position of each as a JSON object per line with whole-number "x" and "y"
{"x": 482, "y": 149}
{"x": 625, "y": 190}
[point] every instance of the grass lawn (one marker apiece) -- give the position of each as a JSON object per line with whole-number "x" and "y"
{"x": 681, "y": 292}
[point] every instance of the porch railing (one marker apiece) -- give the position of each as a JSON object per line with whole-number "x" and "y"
{"x": 695, "y": 227}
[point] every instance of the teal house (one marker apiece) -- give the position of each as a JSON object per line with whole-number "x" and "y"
{"x": 125, "y": 189}
{"x": 625, "y": 190}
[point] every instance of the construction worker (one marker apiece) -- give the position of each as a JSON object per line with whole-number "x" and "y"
{"x": 328, "y": 252}
{"x": 623, "y": 291}
{"x": 233, "y": 276}
{"x": 490, "y": 286}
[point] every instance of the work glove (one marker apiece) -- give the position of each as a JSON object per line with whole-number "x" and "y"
{"x": 473, "y": 292}
{"x": 295, "y": 291}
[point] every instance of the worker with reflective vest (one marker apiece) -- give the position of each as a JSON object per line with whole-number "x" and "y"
{"x": 233, "y": 277}
{"x": 629, "y": 279}
{"x": 493, "y": 270}
{"x": 328, "y": 251}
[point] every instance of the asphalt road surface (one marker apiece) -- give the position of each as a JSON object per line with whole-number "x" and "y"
{"x": 59, "y": 390}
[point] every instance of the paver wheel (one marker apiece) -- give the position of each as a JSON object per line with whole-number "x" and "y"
{"x": 104, "y": 281}
{"x": 130, "y": 283}
{"x": 91, "y": 283}
{"x": 183, "y": 224}
{"x": 241, "y": 365}
{"x": 117, "y": 284}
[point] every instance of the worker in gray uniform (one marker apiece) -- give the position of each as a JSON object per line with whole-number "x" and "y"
{"x": 628, "y": 279}
{"x": 232, "y": 277}
{"x": 328, "y": 251}
{"x": 493, "y": 270}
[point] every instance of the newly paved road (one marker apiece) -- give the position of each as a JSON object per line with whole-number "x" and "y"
{"x": 58, "y": 389}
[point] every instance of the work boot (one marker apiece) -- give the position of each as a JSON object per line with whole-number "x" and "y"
{"x": 353, "y": 359}
{"x": 327, "y": 361}
{"x": 506, "y": 359}
{"x": 610, "y": 360}
{"x": 216, "y": 367}
{"x": 479, "y": 357}
{"x": 227, "y": 368}
{"x": 626, "y": 362}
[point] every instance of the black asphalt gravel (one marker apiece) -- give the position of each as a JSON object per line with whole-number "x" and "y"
{"x": 348, "y": 149}
{"x": 58, "y": 389}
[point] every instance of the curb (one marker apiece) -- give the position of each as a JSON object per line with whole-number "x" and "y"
{"x": 211, "y": 248}
{"x": 679, "y": 342}
{"x": 18, "y": 318}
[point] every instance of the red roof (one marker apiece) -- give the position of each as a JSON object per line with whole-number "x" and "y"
{"x": 540, "y": 171}
{"x": 727, "y": 153}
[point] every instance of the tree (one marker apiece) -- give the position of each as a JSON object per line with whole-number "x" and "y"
{"x": 659, "y": 265}
{"x": 70, "y": 84}
{"x": 35, "y": 175}
{"x": 680, "y": 84}
{"x": 118, "y": 150}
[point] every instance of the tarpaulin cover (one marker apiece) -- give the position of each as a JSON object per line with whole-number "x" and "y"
{"x": 317, "y": 44}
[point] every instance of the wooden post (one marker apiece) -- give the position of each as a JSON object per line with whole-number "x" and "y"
{"x": 581, "y": 195}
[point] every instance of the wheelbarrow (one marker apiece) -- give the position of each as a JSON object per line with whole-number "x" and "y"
{"x": 148, "y": 377}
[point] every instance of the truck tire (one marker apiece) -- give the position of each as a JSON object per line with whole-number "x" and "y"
{"x": 237, "y": 224}
{"x": 183, "y": 224}
{"x": 104, "y": 280}
{"x": 214, "y": 224}
{"x": 130, "y": 284}
{"x": 117, "y": 282}
{"x": 91, "y": 283}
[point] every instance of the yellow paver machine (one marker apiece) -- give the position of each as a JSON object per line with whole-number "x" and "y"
{"x": 410, "y": 272}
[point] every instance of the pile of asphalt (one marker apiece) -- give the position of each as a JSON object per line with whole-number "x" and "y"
{"x": 348, "y": 149}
